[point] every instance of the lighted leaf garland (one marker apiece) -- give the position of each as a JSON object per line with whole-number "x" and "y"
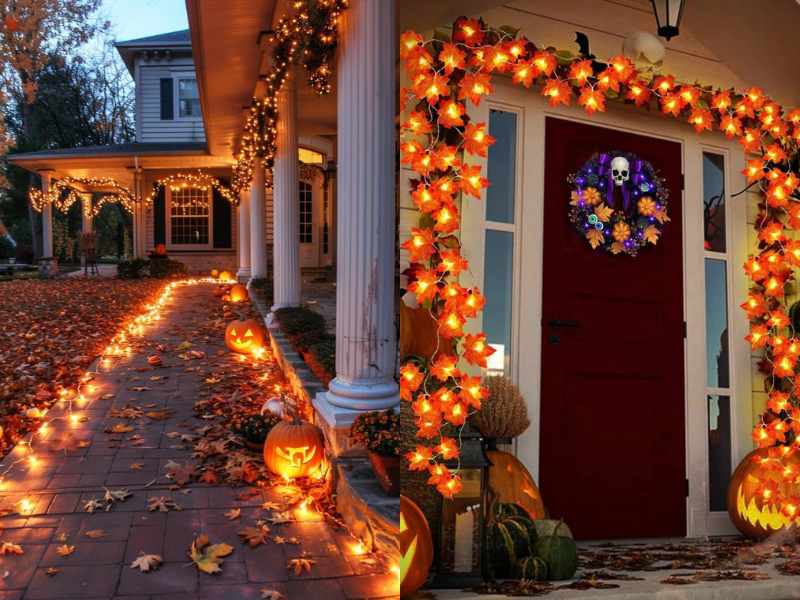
{"x": 310, "y": 34}
{"x": 437, "y": 138}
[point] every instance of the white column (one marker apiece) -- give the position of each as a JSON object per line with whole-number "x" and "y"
{"x": 366, "y": 345}
{"x": 47, "y": 219}
{"x": 138, "y": 216}
{"x": 286, "y": 203}
{"x": 258, "y": 245}
{"x": 86, "y": 217}
{"x": 243, "y": 274}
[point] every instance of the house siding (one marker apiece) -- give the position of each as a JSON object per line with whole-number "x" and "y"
{"x": 150, "y": 126}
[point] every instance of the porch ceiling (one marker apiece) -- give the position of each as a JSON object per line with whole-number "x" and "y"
{"x": 228, "y": 57}
{"x": 755, "y": 40}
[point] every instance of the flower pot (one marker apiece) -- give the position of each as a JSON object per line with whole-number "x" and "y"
{"x": 387, "y": 470}
{"x": 255, "y": 446}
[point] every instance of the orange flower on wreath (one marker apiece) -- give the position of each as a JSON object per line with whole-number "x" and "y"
{"x": 647, "y": 206}
{"x": 621, "y": 231}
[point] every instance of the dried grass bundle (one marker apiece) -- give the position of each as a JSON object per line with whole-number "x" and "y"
{"x": 503, "y": 414}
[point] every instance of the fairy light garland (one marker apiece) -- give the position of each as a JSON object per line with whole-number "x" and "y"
{"x": 438, "y": 135}
{"x": 200, "y": 180}
{"x": 67, "y": 191}
{"x": 309, "y": 35}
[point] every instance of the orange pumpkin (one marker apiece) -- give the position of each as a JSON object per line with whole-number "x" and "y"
{"x": 160, "y": 250}
{"x": 238, "y": 293}
{"x": 511, "y": 483}
{"x": 419, "y": 333}
{"x": 416, "y": 547}
{"x": 244, "y": 336}
{"x": 294, "y": 449}
{"x": 747, "y": 506}
{"x": 226, "y": 277}
{"x": 214, "y": 273}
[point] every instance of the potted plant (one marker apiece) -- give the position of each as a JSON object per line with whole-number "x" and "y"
{"x": 255, "y": 428}
{"x": 379, "y": 433}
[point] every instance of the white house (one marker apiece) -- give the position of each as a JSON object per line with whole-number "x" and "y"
{"x": 640, "y": 388}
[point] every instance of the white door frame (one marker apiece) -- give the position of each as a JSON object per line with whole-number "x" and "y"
{"x": 532, "y": 111}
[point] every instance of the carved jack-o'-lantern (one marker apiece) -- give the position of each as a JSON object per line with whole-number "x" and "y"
{"x": 226, "y": 277}
{"x": 244, "y": 336}
{"x": 416, "y": 547}
{"x": 750, "y": 489}
{"x": 294, "y": 449}
{"x": 511, "y": 483}
{"x": 238, "y": 293}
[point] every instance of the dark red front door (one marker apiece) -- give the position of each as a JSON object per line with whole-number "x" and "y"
{"x": 612, "y": 402}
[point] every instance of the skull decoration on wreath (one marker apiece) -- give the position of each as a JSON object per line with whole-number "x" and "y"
{"x": 618, "y": 202}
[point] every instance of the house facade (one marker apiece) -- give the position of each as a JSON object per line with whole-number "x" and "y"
{"x": 640, "y": 388}
{"x": 197, "y": 224}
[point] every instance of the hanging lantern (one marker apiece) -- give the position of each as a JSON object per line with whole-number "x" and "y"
{"x": 668, "y": 17}
{"x": 462, "y": 528}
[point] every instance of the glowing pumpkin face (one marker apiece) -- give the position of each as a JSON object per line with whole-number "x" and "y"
{"x": 226, "y": 277}
{"x": 238, "y": 293}
{"x": 294, "y": 449}
{"x": 416, "y": 547}
{"x": 244, "y": 336}
{"x": 751, "y": 487}
{"x": 511, "y": 483}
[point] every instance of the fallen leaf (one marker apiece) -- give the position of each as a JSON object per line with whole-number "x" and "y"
{"x": 271, "y": 595}
{"x": 162, "y": 504}
{"x": 52, "y": 571}
{"x": 9, "y": 548}
{"x": 208, "y": 557}
{"x": 136, "y": 466}
{"x": 147, "y": 562}
{"x": 119, "y": 428}
{"x": 65, "y": 550}
{"x": 234, "y": 513}
{"x": 95, "y": 533}
{"x": 254, "y": 536}
{"x": 300, "y": 564}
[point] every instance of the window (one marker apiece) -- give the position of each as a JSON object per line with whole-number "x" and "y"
{"x": 310, "y": 157}
{"x": 718, "y": 382}
{"x": 188, "y": 99}
{"x": 306, "y": 213}
{"x": 499, "y": 228}
{"x": 190, "y": 217}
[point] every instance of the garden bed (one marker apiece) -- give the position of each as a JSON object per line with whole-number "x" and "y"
{"x": 306, "y": 331}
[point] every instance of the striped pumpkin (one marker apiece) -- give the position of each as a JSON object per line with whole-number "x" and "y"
{"x": 511, "y": 538}
{"x": 533, "y": 567}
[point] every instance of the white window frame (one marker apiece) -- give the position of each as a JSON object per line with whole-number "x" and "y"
{"x": 311, "y": 187}
{"x": 210, "y": 244}
{"x": 176, "y": 100}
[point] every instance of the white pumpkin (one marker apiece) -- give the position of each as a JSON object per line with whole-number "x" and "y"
{"x": 274, "y": 406}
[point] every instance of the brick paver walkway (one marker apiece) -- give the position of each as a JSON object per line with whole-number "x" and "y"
{"x": 99, "y": 568}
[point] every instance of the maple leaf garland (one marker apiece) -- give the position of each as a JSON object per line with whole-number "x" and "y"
{"x": 460, "y": 69}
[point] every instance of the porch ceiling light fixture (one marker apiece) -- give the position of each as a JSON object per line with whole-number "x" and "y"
{"x": 668, "y": 16}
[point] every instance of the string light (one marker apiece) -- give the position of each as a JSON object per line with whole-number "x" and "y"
{"x": 67, "y": 191}
{"x": 200, "y": 181}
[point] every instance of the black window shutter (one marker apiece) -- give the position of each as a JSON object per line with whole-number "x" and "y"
{"x": 160, "y": 217}
{"x": 167, "y": 102}
{"x": 222, "y": 220}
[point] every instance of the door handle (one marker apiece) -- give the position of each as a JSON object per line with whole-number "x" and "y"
{"x": 563, "y": 323}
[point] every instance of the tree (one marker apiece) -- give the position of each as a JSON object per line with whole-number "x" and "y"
{"x": 32, "y": 32}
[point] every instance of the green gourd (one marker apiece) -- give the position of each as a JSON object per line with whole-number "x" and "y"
{"x": 559, "y": 552}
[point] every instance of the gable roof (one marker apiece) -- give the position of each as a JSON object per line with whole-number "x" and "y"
{"x": 173, "y": 40}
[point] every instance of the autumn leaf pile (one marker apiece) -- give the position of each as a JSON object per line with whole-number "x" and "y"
{"x": 50, "y": 332}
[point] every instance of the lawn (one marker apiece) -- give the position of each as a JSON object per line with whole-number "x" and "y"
{"x": 50, "y": 332}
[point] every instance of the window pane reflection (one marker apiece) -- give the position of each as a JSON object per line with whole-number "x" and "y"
{"x": 714, "y": 201}
{"x": 719, "y": 450}
{"x": 498, "y": 269}
{"x": 501, "y": 167}
{"x": 716, "y": 324}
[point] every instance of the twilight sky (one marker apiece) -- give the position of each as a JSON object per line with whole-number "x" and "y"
{"x": 132, "y": 19}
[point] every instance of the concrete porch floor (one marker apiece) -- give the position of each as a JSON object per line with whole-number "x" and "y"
{"x": 713, "y": 569}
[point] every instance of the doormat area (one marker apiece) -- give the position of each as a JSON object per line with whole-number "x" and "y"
{"x": 700, "y": 568}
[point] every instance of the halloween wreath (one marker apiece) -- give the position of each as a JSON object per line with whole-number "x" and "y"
{"x": 618, "y": 202}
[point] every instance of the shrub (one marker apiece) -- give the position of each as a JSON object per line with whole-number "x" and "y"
{"x": 166, "y": 267}
{"x": 378, "y": 431}
{"x": 255, "y": 428}
{"x": 132, "y": 269}
{"x": 503, "y": 414}
{"x": 6, "y": 248}
{"x": 299, "y": 320}
{"x": 324, "y": 352}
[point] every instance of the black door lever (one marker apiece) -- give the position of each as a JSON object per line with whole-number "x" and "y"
{"x": 563, "y": 323}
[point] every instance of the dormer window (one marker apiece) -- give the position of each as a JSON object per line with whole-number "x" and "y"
{"x": 188, "y": 99}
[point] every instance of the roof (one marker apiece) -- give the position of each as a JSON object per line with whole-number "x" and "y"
{"x": 132, "y": 149}
{"x": 173, "y": 40}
